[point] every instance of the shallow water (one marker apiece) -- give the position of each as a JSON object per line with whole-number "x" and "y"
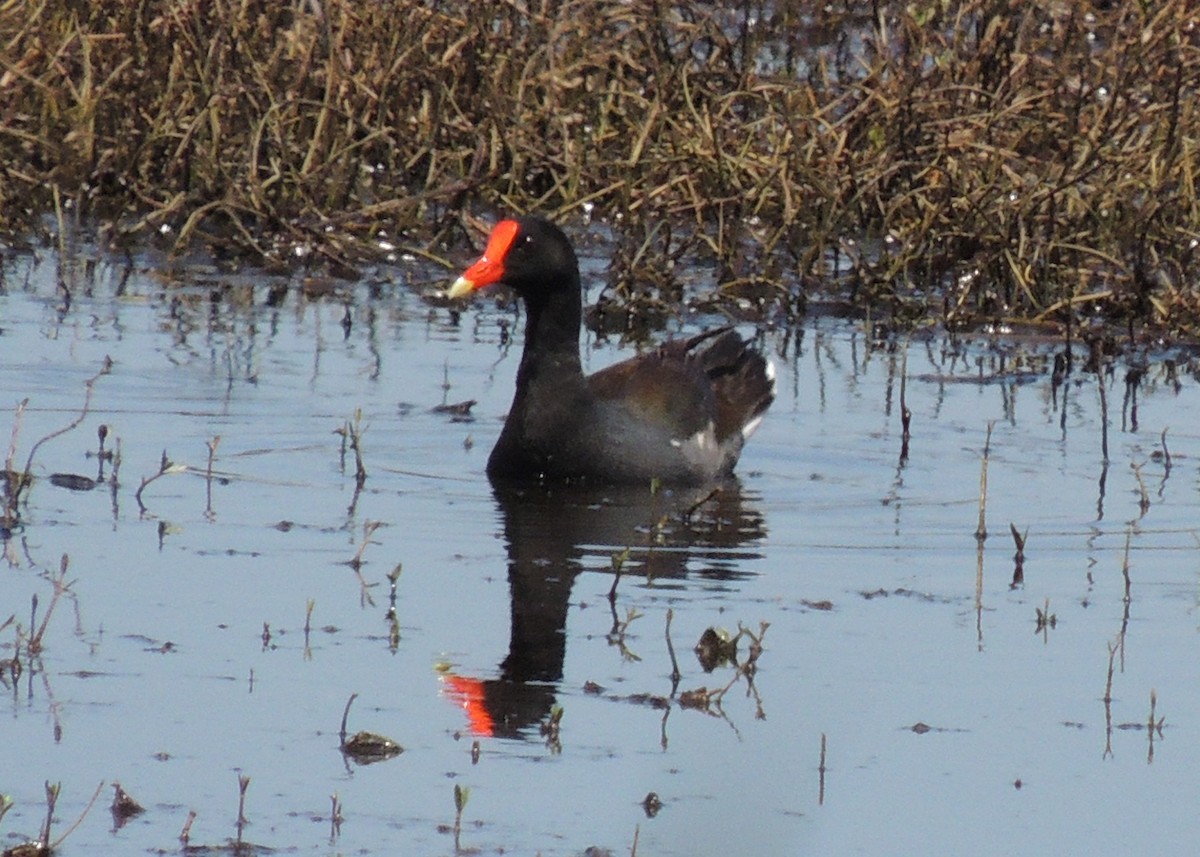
{"x": 179, "y": 657}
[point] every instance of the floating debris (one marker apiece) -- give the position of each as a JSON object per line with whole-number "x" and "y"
{"x": 124, "y": 807}
{"x": 366, "y": 748}
{"x": 459, "y": 412}
{"x": 716, "y": 647}
{"x": 72, "y": 481}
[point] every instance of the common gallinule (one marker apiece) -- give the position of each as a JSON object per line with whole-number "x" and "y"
{"x": 679, "y": 414}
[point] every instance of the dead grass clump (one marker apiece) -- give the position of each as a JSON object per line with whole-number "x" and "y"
{"x": 1042, "y": 159}
{"x": 966, "y": 159}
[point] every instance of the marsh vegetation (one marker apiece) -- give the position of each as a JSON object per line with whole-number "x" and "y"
{"x": 955, "y": 162}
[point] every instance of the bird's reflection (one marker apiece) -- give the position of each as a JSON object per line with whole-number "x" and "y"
{"x": 554, "y": 533}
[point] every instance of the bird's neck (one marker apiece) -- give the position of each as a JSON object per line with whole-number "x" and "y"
{"x": 552, "y": 337}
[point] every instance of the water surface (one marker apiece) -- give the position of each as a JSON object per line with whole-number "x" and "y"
{"x": 179, "y": 658}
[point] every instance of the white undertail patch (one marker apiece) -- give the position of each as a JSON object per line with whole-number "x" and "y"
{"x": 752, "y": 426}
{"x": 702, "y": 442}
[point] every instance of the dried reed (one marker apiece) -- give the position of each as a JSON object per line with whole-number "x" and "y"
{"x": 963, "y": 160}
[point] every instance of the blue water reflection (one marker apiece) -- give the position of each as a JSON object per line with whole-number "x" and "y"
{"x": 184, "y": 651}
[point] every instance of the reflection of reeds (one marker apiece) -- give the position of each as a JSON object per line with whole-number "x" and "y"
{"x": 821, "y": 770}
{"x": 1019, "y": 538}
{"x": 971, "y": 158}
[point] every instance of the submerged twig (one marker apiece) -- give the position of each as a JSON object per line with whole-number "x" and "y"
{"x": 43, "y": 847}
{"x": 1018, "y": 557}
{"x": 462, "y": 794}
{"x": 186, "y": 832}
{"x": 905, "y": 412}
{"x": 1103, "y": 415}
{"x": 351, "y": 433}
{"x": 60, "y": 586}
{"x": 1143, "y": 494}
{"x": 79, "y": 820}
{"x": 335, "y": 817}
{"x": 392, "y": 617}
{"x": 208, "y": 475}
{"x": 308, "y": 612}
{"x": 618, "y": 561}
{"x": 676, "y": 675}
{"x": 242, "y": 821}
{"x": 821, "y": 769}
{"x": 1125, "y": 566}
{"x": 165, "y": 467}
{"x": 369, "y": 528}
{"x": 981, "y": 529}
{"x": 691, "y": 510}
{"x": 15, "y": 483}
{"x": 1113, "y": 648}
{"x": 346, "y": 716}
{"x": 52, "y": 793}
{"x": 1045, "y": 621}
{"x": 88, "y": 385}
